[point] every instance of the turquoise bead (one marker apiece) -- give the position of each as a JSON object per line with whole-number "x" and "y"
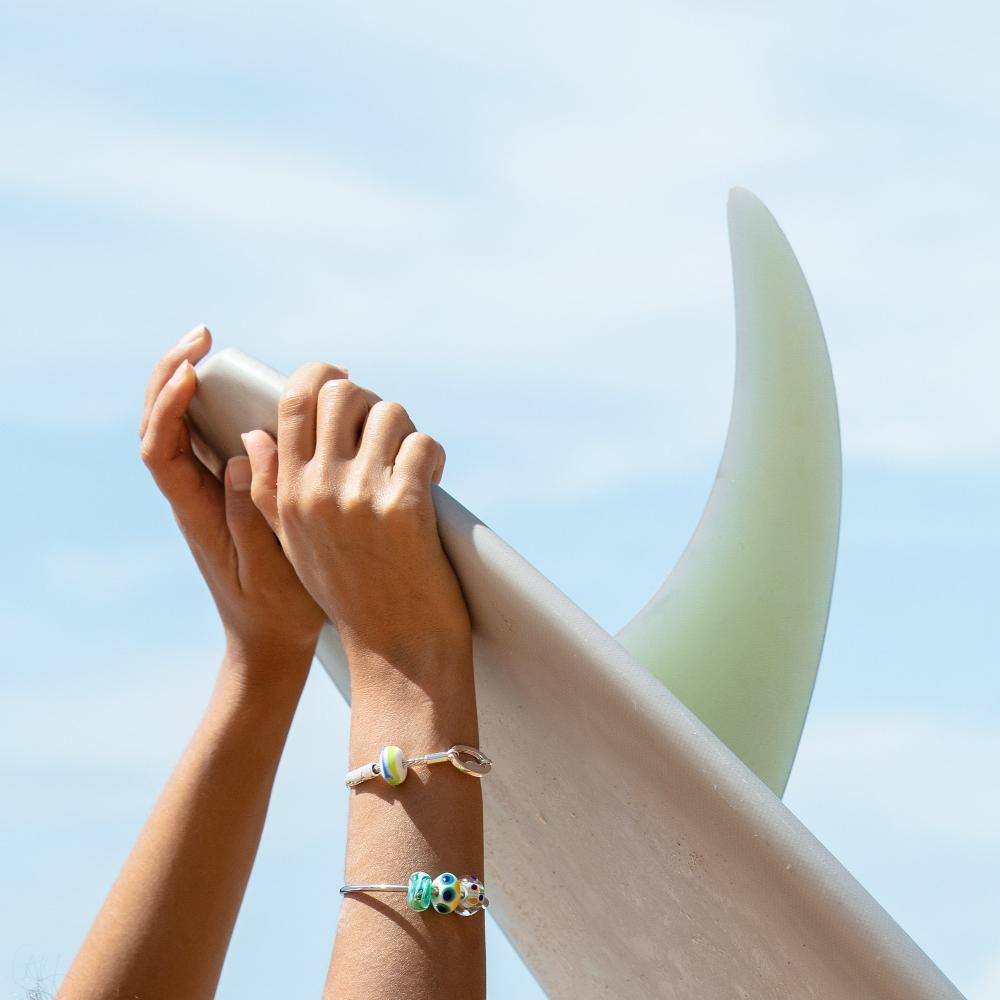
{"x": 418, "y": 893}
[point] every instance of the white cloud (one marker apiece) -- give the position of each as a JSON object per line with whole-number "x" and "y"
{"x": 587, "y": 227}
{"x": 908, "y": 773}
{"x": 195, "y": 178}
{"x": 571, "y": 468}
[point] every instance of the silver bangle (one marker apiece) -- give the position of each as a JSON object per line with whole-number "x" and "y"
{"x": 392, "y": 764}
{"x": 447, "y": 893}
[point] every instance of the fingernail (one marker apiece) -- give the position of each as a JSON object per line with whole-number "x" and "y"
{"x": 195, "y": 335}
{"x": 247, "y": 438}
{"x": 181, "y": 372}
{"x": 240, "y": 473}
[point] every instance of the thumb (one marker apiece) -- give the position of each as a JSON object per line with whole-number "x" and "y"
{"x": 252, "y": 536}
{"x": 263, "y": 454}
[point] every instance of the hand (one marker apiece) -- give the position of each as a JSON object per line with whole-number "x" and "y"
{"x": 268, "y": 617}
{"x": 347, "y": 490}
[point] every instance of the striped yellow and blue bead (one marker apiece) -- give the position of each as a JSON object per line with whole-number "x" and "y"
{"x": 392, "y": 766}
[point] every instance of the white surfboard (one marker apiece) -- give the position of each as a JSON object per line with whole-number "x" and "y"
{"x": 630, "y": 852}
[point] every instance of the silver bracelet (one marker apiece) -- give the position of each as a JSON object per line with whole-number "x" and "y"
{"x": 446, "y": 893}
{"x": 392, "y": 764}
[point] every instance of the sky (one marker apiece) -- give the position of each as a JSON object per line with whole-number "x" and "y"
{"x": 511, "y": 219}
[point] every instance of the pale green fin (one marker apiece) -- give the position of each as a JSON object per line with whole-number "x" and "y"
{"x": 737, "y": 629}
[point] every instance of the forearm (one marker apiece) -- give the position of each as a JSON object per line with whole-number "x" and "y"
{"x": 433, "y": 822}
{"x": 165, "y": 926}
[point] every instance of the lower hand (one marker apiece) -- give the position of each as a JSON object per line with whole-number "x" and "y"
{"x": 268, "y": 617}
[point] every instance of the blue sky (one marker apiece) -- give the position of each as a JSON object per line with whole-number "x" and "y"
{"x": 512, "y": 219}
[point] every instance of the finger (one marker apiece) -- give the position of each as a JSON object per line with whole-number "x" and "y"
{"x": 253, "y": 538}
{"x": 262, "y": 452}
{"x": 341, "y": 411}
{"x": 297, "y": 414}
{"x": 420, "y": 460}
{"x": 166, "y": 438}
{"x": 192, "y": 491}
{"x": 385, "y": 428}
{"x": 193, "y": 347}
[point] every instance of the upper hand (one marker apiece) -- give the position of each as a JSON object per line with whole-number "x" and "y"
{"x": 347, "y": 489}
{"x": 266, "y": 613}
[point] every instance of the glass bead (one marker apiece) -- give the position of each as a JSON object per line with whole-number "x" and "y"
{"x": 448, "y": 897}
{"x": 418, "y": 893}
{"x": 391, "y": 765}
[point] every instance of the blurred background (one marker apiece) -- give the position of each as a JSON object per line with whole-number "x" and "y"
{"x": 511, "y": 218}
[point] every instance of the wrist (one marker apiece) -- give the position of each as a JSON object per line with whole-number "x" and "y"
{"x": 429, "y": 656}
{"x": 265, "y": 670}
{"x": 247, "y": 719}
{"x": 432, "y": 675}
{"x": 415, "y": 701}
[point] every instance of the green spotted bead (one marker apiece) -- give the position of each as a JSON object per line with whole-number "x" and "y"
{"x": 418, "y": 893}
{"x": 446, "y": 893}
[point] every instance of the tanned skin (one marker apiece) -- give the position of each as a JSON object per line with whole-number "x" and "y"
{"x": 334, "y": 521}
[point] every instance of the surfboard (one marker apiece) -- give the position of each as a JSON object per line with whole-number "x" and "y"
{"x": 636, "y": 843}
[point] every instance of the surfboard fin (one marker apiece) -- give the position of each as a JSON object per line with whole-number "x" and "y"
{"x": 737, "y": 629}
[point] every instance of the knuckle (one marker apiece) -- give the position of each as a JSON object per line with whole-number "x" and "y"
{"x": 308, "y": 372}
{"x": 166, "y": 366}
{"x": 308, "y": 506}
{"x": 301, "y": 386}
{"x": 291, "y": 492}
{"x": 406, "y": 505}
{"x": 288, "y": 494}
{"x": 293, "y": 403}
{"x": 289, "y": 508}
{"x": 146, "y": 453}
{"x": 390, "y": 410}
{"x": 323, "y": 369}
{"x": 305, "y": 498}
{"x": 354, "y": 499}
{"x": 337, "y": 388}
{"x": 258, "y": 492}
{"x": 314, "y": 373}
{"x": 426, "y": 446}
{"x": 354, "y": 506}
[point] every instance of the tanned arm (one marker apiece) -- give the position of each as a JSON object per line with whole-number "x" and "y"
{"x": 347, "y": 489}
{"x": 163, "y": 930}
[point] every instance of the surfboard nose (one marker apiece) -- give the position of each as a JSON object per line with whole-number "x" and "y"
{"x": 736, "y": 631}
